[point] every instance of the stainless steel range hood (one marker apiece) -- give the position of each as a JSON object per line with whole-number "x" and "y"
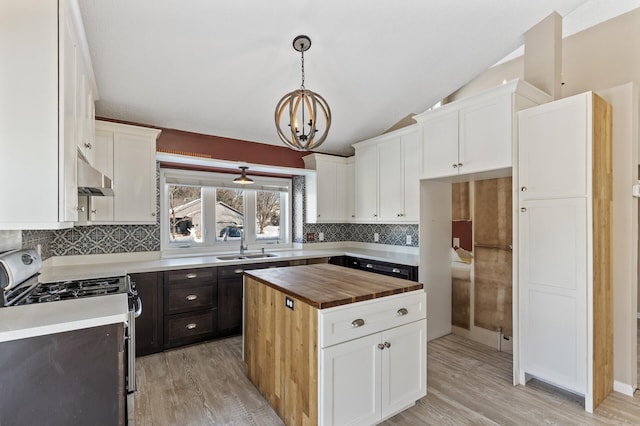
{"x": 92, "y": 182}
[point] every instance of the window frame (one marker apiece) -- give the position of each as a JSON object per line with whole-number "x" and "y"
{"x": 210, "y": 181}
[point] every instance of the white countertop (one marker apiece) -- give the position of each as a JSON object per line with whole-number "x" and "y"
{"x": 119, "y": 268}
{"x": 20, "y": 322}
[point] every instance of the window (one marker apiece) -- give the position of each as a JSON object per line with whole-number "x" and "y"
{"x": 206, "y": 211}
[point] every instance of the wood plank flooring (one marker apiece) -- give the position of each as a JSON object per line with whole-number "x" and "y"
{"x": 468, "y": 384}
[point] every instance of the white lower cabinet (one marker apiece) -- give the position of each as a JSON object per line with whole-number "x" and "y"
{"x": 370, "y": 378}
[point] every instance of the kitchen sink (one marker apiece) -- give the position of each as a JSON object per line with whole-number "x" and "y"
{"x": 247, "y": 256}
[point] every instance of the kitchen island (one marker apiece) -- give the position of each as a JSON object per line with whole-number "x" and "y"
{"x": 330, "y": 345}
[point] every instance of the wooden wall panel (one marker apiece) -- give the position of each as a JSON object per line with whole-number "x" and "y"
{"x": 492, "y": 255}
{"x": 461, "y": 303}
{"x": 460, "y": 204}
{"x": 602, "y": 251}
{"x": 281, "y": 352}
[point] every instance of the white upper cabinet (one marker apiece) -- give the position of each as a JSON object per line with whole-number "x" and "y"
{"x": 387, "y": 175}
{"x": 127, "y": 154}
{"x": 474, "y": 136}
{"x": 328, "y": 190}
{"x": 43, "y": 49}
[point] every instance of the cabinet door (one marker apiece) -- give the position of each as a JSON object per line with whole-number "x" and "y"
{"x": 404, "y": 366}
{"x": 390, "y": 180}
{"x": 366, "y": 184}
{"x": 350, "y": 185}
{"x": 553, "y": 149}
{"x": 342, "y": 192}
{"x": 486, "y": 136}
{"x": 230, "y": 305}
{"x": 69, "y": 149}
{"x": 149, "y": 323}
{"x": 327, "y": 183}
{"x": 101, "y": 208}
{"x": 134, "y": 179}
{"x": 553, "y": 291}
{"x": 412, "y": 166}
{"x": 440, "y": 145}
{"x": 350, "y": 382}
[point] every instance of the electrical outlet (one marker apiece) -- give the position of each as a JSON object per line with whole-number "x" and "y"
{"x": 376, "y": 237}
{"x": 288, "y": 302}
{"x": 456, "y": 242}
{"x": 321, "y": 236}
{"x": 408, "y": 240}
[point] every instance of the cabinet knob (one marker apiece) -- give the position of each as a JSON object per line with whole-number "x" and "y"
{"x": 459, "y": 164}
{"x": 318, "y": 215}
{"x": 402, "y": 312}
{"x": 380, "y": 346}
{"x": 387, "y": 344}
{"x": 357, "y": 323}
{"x": 153, "y": 214}
{"x": 353, "y": 215}
{"x": 191, "y": 276}
{"x": 238, "y": 271}
{"x": 395, "y": 270}
{"x": 455, "y": 166}
{"x": 81, "y": 209}
{"x": 523, "y": 209}
{"x": 94, "y": 211}
{"x": 191, "y": 297}
{"x": 523, "y": 189}
{"x": 88, "y": 145}
{"x": 190, "y": 326}
{"x": 375, "y": 215}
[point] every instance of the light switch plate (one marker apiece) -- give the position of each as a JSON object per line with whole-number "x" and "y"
{"x": 321, "y": 236}
{"x": 288, "y": 302}
{"x": 408, "y": 240}
{"x": 376, "y": 237}
{"x": 456, "y": 242}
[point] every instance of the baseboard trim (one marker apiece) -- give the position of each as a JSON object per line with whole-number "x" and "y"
{"x": 623, "y": 388}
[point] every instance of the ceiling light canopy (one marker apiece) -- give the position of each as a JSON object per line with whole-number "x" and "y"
{"x": 243, "y": 179}
{"x": 305, "y": 113}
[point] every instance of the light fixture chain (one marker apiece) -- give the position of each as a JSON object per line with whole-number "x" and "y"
{"x": 302, "y": 84}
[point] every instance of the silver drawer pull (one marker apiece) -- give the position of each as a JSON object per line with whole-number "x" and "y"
{"x": 395, "y": 270}
{"x": 191, "y": 297}
{"x": 191, "y": 326}
{"x": 191, "y": 276}
{"x": 238, "y": 271}
{"x": 368, "y": 265}
{"x": 357, "y": 323}
{"x": 402, "y": 312}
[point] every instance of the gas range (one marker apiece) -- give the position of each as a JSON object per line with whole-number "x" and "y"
{"x": 32, "y": 291}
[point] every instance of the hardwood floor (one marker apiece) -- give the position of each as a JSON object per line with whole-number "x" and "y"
{"x": 468, "y": 383}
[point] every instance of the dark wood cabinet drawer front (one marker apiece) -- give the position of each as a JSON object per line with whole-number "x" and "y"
{"x": 190, "y": 276}
{"x": 237, "y": 270}
{"x": 187, "y": 328}
{"x": 185, "y": 299}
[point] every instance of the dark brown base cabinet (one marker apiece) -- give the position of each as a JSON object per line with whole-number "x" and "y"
{"x": 149, "y": 325}
{"x": 71, "y": 378}
{"x": 376, "y": 266}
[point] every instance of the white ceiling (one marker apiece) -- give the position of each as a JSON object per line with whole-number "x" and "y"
{"x": 220, "y": 67}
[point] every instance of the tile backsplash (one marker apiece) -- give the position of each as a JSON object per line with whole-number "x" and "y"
{"x": 107, "y": 239}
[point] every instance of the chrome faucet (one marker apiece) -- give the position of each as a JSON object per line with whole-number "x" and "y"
{"x": 243, "y": 247}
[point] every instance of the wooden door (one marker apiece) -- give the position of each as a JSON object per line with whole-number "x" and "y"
{"x": 390, "y": 180}
{"x": 486, "y": 136}
{"x": 404, "y": 366}
{"x": 553, "y": 291}
{"x": 553, "y": 149}
{"x": 350, "y": 382}
{"x": 440, "y": 145}
{"x": 366, "y": 184}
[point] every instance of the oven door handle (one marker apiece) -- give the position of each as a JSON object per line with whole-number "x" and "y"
{"x": 138, "y": 310}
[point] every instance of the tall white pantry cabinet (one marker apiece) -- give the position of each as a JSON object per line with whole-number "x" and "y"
{"x": 565, "y": 261}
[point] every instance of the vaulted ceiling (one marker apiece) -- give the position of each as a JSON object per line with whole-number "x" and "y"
{"x": 220, "y": 67}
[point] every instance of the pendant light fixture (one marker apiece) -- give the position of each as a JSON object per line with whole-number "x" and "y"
{"x": 305, "y": 113}
{"x": 243, "y": 179}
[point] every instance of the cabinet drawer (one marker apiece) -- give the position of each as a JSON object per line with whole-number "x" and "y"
{"x": 342, "y": 323}
{"x": 190, "y": 276}
{"x": 184, "y": 299}
{"x": 237, "y": 270}
{"x": 185, "y": 328}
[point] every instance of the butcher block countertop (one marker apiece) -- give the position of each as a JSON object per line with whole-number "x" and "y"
{"x": 325, "y": 286}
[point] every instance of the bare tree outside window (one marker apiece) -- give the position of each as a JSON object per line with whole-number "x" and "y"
{"x": 185, "y": 212}
{"x": 268, "y": 214}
